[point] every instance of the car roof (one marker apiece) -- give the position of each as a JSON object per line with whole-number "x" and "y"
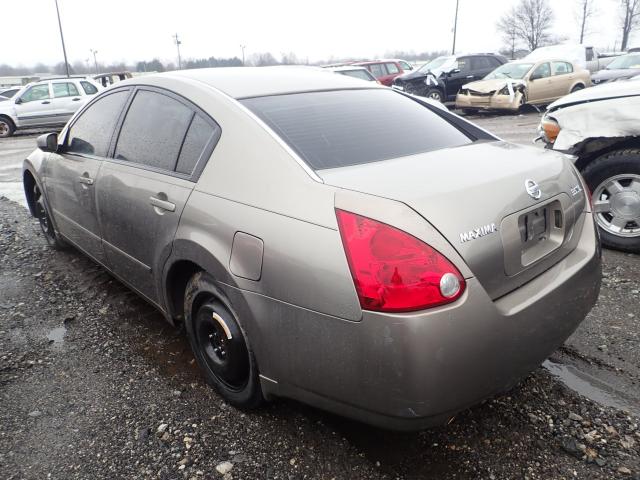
{"x": 347, "y": 68}
{"x": 246, "y": 82}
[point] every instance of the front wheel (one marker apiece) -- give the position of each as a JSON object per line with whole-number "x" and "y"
{"x": 614, "y": 180}
{"x": 46, "y": 225}
{"x": 6, "y": 127}
{"x": 219, "y": 344}
{"x": 434, "y": 94}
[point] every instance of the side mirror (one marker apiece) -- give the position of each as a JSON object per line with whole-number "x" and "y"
{"x": 18, "y": 101}
{"x": 48, "y": 142}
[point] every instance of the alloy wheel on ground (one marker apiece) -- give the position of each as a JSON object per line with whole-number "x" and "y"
{"x": 616, "y": 203}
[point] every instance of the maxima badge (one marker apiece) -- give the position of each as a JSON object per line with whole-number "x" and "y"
{"x": 478, "y": 232}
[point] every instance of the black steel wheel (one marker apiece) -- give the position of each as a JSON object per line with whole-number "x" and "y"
{"x": 219, "y": 344}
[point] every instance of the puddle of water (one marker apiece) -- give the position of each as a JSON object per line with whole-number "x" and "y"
{"x": 56, "y": 336}
{"x": 592, "y": 387}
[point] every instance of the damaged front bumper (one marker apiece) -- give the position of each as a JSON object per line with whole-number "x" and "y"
{"x": 468, "y": 99}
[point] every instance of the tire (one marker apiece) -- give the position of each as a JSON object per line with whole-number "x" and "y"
{"x": 6, "y": 127}
{"x": 469, "y": 111}
{"x": 614, "y": 181}
{"x": 577, "y": 87}
{"x": 219, "y": 343}
{"x": 46, "y": 225}
{"x": 434, "y": 94}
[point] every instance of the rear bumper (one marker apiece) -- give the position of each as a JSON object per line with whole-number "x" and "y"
{"x": 412, "y": 371}
{"x": 493, "y": 102}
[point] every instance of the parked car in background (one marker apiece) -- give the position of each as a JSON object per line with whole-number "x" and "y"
{"x": 442, "y": 78}
{"x": 515, "y": 84}
{"x": 621, "y": 68}
{"x": 341, "y": 243}
{"x": 600, "y": 127}
{"x": 107, "y": 79}
{"x": 386, "y": 70}
{"x": 581, "y": 55}
{"x": 355, "y": 72}
{"x": 6, "y": 93}
{"x": 49, "y": 102}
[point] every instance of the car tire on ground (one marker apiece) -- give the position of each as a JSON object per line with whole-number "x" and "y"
{"x": 6, "y": 127}
{"x": 434, "y": 94}
{"x": 614, "y": 181}
{"x": 46, "y": 225}
{"x": 469, "y": 111}
{"x": 219, "y": 344}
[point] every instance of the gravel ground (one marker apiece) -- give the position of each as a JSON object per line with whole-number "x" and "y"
{"x": 94, "y": 384}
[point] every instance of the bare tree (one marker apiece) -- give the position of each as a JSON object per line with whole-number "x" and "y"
{"x": 629, "y": 19}
{"x": 585, "y": 10}
{"x": 530, "y": 21}
{"x": 509, "y": 29}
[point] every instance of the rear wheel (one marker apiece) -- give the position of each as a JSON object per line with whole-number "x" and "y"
{"x": 577, "y": 87}
{"x": 219, "y": 344}
{"x": 434, "y": 94}
{"x": 46, "y": 225}
{"x": 6, "y": 127}
{"x": 614, "y": 180}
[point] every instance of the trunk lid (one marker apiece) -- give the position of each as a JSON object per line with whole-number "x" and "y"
{"x": 476, "y": 196}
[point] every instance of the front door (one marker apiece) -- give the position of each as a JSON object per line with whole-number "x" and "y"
{"x": 458, "y": 77}
{"x": 72, "y": 174}
{"x": 34, "y": 107}
{"x": 540, "y": 86}
{"x": 144, "y": 188}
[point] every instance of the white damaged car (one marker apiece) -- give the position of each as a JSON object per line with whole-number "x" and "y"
{"x": 601, "y": 127}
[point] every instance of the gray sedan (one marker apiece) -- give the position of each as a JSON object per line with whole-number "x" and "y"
{"x": 325, "y": 239}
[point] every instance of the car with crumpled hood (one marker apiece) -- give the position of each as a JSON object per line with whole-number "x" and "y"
{"x": 621, "y": 68}
{"x": 519, "y": 83}
{"x": 325, "y": 239}
{"x": 600, "y": 128}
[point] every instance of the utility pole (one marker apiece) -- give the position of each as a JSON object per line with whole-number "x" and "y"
{"x": 95, "y": 61}
{"x": 243, "y": 47}
{"x": 178, "y": 43}
{"x": 64, "y": 50}
{"x": 455, "y": 29}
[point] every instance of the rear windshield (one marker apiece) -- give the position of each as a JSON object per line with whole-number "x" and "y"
{"x": 352, "y": 127}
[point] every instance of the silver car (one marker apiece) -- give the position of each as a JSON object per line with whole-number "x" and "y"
{"x": 325, "y": 239}
{"x": 45, "y": 103}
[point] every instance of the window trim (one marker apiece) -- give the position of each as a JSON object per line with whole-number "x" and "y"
{"x": 201, "y": 163}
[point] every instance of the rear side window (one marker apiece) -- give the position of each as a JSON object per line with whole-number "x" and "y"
{"x": 561, "y": 68}
{"x": 392, "y": 68}
{"x": 377, "y": 69}
{"x": 153, "y": 130}
{"x": 89, "y": 88}
{"x": 91, "y": 133}
{"x": 361, "y": 74}
{"x": 351, "y": 127}
{"x": 64, "y": 90}
{"x": 199, "y": 135}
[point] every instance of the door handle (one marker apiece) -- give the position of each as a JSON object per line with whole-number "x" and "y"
{"x": 162, "y": 204}
{"x": 86, "y": 180}
{"x": 469, "y": 76}
{"x": 46, "y": 102}
{"x": 76, "y": 99}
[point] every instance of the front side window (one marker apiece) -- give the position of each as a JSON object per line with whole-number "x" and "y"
{"x": 65, "y": 89}
{"x": 37, "y": 92}
{"x": 345, "y": 127}
{"x": 153, "y": 130}
{"x": 89, "y": 88}
{"x": 91, "y": 133}
{"x": 392, "y": 68}
{"x": 542, "y": 71}
{"x": 463, "y": 65}
{"x": 405, "y": 66}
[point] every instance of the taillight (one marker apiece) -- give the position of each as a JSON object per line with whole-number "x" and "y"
{"x": 394, "y": 271}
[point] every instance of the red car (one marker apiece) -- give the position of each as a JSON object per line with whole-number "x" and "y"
{"x": 386, "y": 70}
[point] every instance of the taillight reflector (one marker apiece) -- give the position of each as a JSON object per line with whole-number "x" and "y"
{"x": 394, "y": 271}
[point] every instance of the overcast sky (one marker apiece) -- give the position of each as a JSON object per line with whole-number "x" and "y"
{"x": 131, "y": 30}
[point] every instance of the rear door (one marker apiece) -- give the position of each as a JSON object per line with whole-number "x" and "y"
{"x": 34, "y": 107}
{"x": 66, "y": 100}
{"x": 562, "y": 78}
{"x": 380, "y": 72}
{"x": 143, "y": 188}
{"x": 71, "y": 175}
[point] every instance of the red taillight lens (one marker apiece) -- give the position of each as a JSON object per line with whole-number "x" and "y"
{"x": 394, "y": 271}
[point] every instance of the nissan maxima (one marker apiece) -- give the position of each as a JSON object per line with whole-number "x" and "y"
{"x": 325, "y": 239}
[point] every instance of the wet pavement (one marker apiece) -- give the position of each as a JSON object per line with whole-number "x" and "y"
{"x": 89, "y": 374}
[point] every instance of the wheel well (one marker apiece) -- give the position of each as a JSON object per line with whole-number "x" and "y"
{"x": 29, "y": 182}
{"x": 179, "y": 275}
{"x": 6, "y": 117}
{"x": 592, "y": 148}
